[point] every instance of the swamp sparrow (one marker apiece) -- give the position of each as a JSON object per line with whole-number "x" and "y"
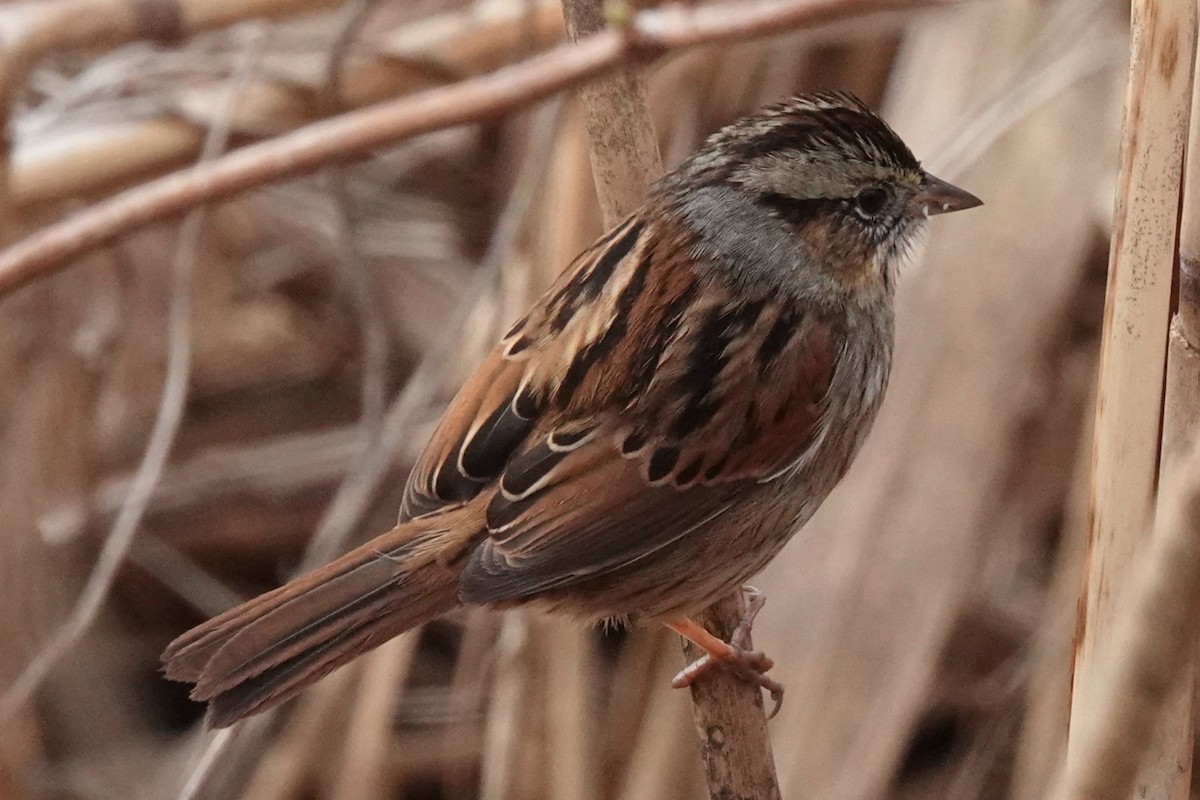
{"x": 652, "y": 431}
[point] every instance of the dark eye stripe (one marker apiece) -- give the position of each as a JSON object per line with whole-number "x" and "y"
{"x": 799, "y": 212}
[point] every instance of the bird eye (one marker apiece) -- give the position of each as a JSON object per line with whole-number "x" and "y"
{"x": 870, "y": 201}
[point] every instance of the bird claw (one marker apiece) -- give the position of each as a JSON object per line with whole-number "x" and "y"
{"x": 741, "y": 658}
{"x": 753, "y": 601}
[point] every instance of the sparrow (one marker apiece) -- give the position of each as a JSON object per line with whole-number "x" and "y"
{"x": 652, "y": 431}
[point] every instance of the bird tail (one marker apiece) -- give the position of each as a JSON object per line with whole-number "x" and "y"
{"x": 267, "y": 649}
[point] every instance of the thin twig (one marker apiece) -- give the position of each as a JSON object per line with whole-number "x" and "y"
{"x": 649, "y": 34}
{"x": 352, "y": 267}
{"x": 162, "y": 436}
{"x": 622, "y": 144}
{"x": 213, "y": 748}
{"x": 181, "y": 575}
{"x": 286, "y": 465}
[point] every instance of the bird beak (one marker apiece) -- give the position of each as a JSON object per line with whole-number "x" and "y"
{"x": 938, "y": 197}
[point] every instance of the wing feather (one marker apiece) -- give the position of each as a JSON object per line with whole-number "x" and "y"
{"x": 622, "y": 414}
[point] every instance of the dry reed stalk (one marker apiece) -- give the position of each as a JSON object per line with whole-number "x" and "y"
{"x": 663, "y": 759}
{"x": 570, "y": 192}
{"x": 572, "y": 748}
{"x": 467, "y": 692}
{"x": 648, "y": 33}
{"x": 1145, "y": 655}
{"x": 1187, "y": 320}
{"x": 647, "y": 662}
{"x": 1125, "y": 470}
{"x": 512, "y": 703}
{"x": 1048, "y": 691}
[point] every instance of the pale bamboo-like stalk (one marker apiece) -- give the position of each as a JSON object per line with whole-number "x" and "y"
{"x": 1148, "y": 649}
{"x": 1187, "y": 318}
{"x": 1128, "y": 415}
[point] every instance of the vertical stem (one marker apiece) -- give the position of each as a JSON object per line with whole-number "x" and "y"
{"x": 624, "y": 149}
{"x": 1130, "y": 395}
{"x": 625, "y": 159}
{"x": 738, "y": 762}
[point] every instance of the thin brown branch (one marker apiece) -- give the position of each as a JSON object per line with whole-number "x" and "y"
{"x": 648, "y": 34}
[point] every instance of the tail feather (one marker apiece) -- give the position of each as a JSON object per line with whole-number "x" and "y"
{"x": 289, "y": 677}
{"x": 187, "y": 656}
{"x": 269, "y": 648}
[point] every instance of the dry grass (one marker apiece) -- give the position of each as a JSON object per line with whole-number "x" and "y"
{"x": 923, "y": 622}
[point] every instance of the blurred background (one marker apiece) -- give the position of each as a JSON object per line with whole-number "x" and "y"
{"x": 307, "y": 335}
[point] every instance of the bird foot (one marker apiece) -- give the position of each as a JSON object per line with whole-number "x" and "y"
{"x": 737, "y": 655}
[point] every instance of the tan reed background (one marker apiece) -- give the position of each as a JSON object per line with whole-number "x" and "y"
{"x": 923, "y": 622}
